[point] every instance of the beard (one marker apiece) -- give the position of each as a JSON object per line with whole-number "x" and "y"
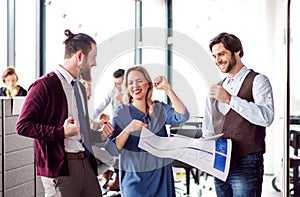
{"x": 231, "y": 64}
{"x": 85, "y": 71}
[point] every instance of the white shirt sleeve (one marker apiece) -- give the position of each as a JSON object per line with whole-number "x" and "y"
{"x": 261, "y": 111}
{"x": 104, "y": 103}
{"x": 207, "y": 126}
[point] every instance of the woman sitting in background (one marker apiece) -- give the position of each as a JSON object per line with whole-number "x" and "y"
{"x": 10, "y": 79}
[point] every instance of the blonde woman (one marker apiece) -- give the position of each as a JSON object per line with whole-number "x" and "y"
{"x": 142, "y": 174}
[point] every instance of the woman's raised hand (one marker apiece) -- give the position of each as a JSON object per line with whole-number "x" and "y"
{"x": 161, "y": 82}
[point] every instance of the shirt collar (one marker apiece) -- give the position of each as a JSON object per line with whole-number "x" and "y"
{"x": 239, "y": 76}
{"x": 64, "y": 73}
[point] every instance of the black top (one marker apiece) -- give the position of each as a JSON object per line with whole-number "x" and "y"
{"x": 22, "y": 91}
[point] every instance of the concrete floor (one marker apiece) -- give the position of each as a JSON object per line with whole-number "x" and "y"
{"x": 206, "y": 188}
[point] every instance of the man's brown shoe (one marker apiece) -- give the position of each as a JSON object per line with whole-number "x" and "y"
{"x": 115, "y": 185}
{"x": 106, "y": 177}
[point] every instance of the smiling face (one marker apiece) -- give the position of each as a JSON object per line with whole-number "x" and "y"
{"x": 137, "y": 85}
{"x": 11, "y": 81}
{"x": 224, "y": 59}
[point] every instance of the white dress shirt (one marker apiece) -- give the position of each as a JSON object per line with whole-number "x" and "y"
{"x": 72, "y": 144}
{"x": 261, "y": 112}
{"x": 109, "y": 98}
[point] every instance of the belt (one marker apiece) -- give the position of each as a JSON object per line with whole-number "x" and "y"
{"x": 80, "y": 155}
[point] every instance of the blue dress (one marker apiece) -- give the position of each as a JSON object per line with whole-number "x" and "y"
{"x": 142, "y": 174}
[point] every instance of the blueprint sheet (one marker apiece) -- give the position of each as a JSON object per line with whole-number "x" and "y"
{"x": 211, "y": 156}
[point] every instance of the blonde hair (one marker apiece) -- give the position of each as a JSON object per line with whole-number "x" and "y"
{"x": 128, "y": 98}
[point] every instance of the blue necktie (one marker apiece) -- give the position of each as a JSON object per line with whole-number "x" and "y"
{"x": 81, "y": 117}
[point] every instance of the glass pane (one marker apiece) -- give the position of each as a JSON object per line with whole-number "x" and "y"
{"x": 110, "y": 23}
{"x": 103, "y": 80}
{"x": 3, "y": 34}
{"x": 153, "y": 13}
{"x": 192, "y": 27}
{"x": 294, "y": 60}
{"x": 189, "y": 85}
{"x": 25, "y": 39}
{"x": 294, "y": 97}
{"x": 154, "y": 62}
{"x": 99, "y": 18}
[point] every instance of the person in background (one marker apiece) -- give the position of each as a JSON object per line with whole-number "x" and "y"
{"x": 10, "y": 79}
{"x": 241, "y": 107}
{"x": 55, "y": 114}
{"x": 113, "y": 97}
{"x": 141, "y": 173}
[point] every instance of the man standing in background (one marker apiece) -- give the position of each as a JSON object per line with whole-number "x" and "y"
{"x": 114, "y": 95}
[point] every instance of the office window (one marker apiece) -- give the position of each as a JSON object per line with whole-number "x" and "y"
{"x": 191, "y": 60}
{"x": 294, "y": 61}
{"x": 25, "y": 42}
{"x": 3, "y": 34}
{"x": 110, "y": 23}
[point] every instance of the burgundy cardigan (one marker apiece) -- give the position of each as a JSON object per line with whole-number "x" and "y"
{"x": 42, "y": 117}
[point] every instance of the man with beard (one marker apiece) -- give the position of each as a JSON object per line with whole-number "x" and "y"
{"x": 55, "y": 114}
{"x": 241, "y": 107}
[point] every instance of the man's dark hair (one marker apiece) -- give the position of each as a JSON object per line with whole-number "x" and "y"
{"x": 230, "y": 42}
{"x": 119, "y": 73}
{"x": 77, "y": 42}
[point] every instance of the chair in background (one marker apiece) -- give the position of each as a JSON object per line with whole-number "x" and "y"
{"x": 294, "y": 156}
{"x": 295, "y": 163}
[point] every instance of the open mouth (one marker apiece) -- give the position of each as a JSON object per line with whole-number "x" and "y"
{"x": 222, "y": 65}
{"x": 137, "y": 91}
